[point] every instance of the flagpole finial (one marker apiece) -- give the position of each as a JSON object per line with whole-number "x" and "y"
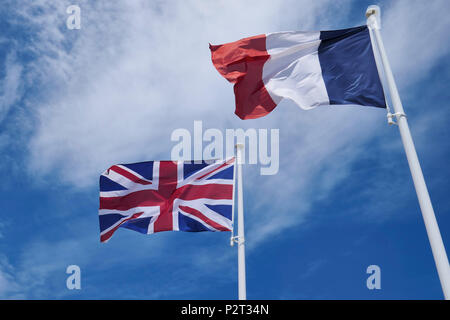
{"x": 373, "y": 9}
{"x": 373, "y": 14}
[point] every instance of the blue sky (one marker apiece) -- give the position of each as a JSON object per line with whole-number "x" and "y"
{"x": 73, "y": 102}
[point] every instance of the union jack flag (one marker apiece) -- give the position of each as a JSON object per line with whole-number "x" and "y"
{"x": 157, "y": 196}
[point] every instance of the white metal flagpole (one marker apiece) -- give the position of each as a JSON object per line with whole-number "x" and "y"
{"x": 240, "y": 237}
{"x": 434, "y": 236}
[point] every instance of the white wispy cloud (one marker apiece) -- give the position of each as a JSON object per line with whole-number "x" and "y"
{"x": 9, "y": 287}
{"x": 10, "y": 85}
{"x": 415, "y": 35}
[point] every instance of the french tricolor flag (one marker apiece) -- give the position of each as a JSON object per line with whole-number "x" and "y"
{"x": 310, "y": 68}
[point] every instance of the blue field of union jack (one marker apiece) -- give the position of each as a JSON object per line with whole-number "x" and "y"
{"x": 156, "y": 196}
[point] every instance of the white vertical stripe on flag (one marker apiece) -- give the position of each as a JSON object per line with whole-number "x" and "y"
{"x": 293, "y": 70}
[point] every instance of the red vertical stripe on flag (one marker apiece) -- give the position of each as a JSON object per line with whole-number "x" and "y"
{"x": 241, "y": 62}
{"x": 168, "y": 180}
